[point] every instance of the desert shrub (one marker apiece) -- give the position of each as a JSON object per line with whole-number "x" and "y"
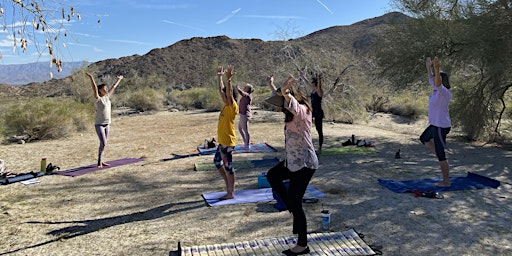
{"x": 200, "y": 98}
{"x": 377, "y": 103}
{"x": 2, "y": 127}
{"x": 405, "y": 103}
{"x": 408, "y": 104}
{"x": 42, "y": 119}
{"x": 470, "y": 116}
{"x": 141, "y": 100}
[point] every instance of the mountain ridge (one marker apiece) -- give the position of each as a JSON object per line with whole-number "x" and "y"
{"x": 190, "y": 62}
{"x": 36, "y": 72}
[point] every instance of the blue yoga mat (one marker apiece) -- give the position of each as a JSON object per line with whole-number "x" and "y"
{"x": 253, "y": 148}
{"x": 249, "y": 196}
{"x": 471, "y": 181}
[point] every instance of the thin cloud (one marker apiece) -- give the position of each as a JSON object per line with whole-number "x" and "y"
{"x": 138, "y": 5}
{"x": 6, "y": 43}
{"x": 78, "y": 44}
{"x": 86, "y": 35}
{"x": 229, "y": 16}
{"x": 273, "y": 17}
{"x": 325, "y": 6}
{"x": 183, "y": 25}
{"x": 126, "y": 41}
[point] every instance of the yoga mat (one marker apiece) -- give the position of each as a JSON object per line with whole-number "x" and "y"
{"x": 239, "y": 164}
{"x": 30, "y": 182}
{"x": 20, "y": 177}
{"x": 347, "y": 150}
{"x": 254, "y": 148}
{"x": 251, "y": 196}
{"x": 94, "y": 167}
{"x": 471, "y": 181}
{"x": 347, "y": 242}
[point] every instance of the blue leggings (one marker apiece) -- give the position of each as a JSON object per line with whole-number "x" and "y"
{"x": 439, "y": 136}
{"x": 102, "y": 132}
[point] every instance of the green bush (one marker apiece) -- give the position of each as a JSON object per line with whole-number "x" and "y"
{"x": 141, "y": 100}
{"x": 2, "y": 127}
{"x": 406, "y": 103}
{"x": 42, "y": 119}
{"x": 199, "y": 98}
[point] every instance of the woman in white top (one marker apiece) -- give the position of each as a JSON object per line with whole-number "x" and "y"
{"x": 434, "y": 136}
{"x": 103, "y": 112}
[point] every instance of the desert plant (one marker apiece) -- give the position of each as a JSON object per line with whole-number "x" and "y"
{"x": 407, "y": 103}
{"x": 42, "y": 119}
{"x": 200, "y": 98}
{"x": 141, "y": 100}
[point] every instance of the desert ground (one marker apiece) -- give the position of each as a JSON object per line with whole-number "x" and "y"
{"x": 148, "y": 207}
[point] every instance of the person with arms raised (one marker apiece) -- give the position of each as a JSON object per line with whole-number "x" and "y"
{"x": 226, "y": 134}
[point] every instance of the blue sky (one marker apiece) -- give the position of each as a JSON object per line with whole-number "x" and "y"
{"x": 128, "y": 27}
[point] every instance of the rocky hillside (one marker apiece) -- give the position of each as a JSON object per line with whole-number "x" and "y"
{"x": 192, "y": 62}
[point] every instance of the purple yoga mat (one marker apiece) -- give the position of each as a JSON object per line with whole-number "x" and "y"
{"x": 93, "y": 167}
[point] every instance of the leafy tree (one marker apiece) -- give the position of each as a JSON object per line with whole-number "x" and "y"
{"x": 25, "y": 20}
{"x": 473, "y": 39}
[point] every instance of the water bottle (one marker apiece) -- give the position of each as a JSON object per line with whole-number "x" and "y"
{"x": 43, "y": 165}
{"x": 326, "y": 220}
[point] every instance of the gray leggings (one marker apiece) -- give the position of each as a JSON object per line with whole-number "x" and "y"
{"x": 243, "y": 128}
{"x": 102, "y": 132}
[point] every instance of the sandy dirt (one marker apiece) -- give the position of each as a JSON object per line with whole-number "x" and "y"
{"x": 148, "y": 207}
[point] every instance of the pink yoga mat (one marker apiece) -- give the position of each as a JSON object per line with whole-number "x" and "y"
{"x": 93, "y": 167}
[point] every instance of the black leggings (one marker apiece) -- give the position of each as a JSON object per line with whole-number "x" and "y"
{"x": 292, "y": 197}
{"x": 320, "y": 130}
{"x": 438, "y": 134}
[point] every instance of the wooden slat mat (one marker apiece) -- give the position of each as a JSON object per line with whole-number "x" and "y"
{"x": 330, "y": 243}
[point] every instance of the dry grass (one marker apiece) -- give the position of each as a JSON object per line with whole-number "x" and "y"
{"x": 146, "y": 208}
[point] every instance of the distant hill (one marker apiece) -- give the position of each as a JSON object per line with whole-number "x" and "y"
{"x": 37, "y": 72}
{"x": 191, "y": 62}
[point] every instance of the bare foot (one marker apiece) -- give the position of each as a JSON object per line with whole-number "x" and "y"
{"x": 227, "y": 196}
{"x": 104, "y": 164}
{"x": 442, "y": 184}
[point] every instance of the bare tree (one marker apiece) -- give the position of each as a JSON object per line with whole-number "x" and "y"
{"x": 39, "y": 24}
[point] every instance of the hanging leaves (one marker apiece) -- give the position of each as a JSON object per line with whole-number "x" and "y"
{"x": 40, "y": 13}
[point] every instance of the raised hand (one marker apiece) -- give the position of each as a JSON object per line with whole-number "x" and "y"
{"x": 428, "y": 62}
{"x": 270, "y": 79}
{"x": 436, "y": 63}
{"x": 288, "y": 83}
{"x": 230, "y": 71}
{"x": 220, "y": 71}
